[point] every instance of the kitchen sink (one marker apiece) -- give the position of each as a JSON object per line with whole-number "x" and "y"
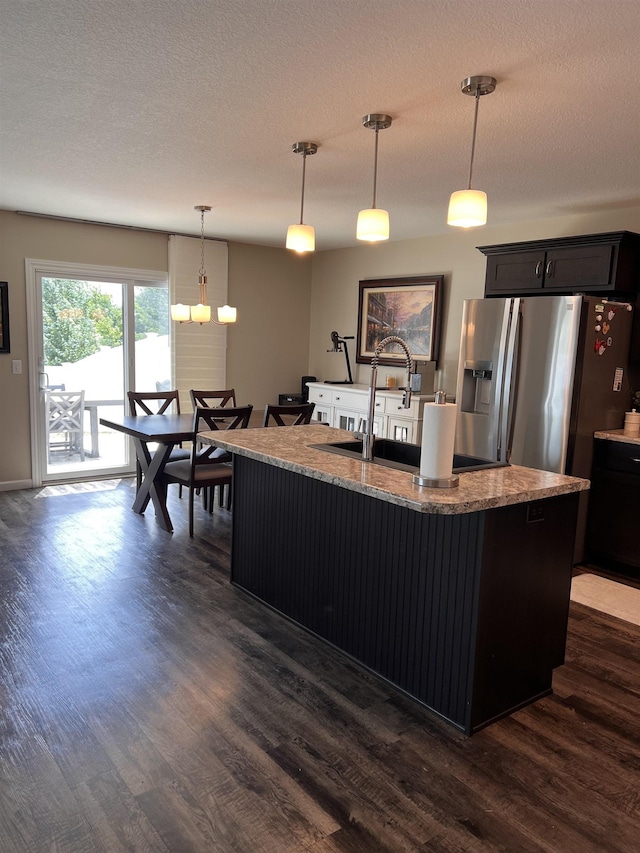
{"x": 403, "y": 456}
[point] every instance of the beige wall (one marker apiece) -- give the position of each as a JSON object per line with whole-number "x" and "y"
{"x": 268, "y": 348}
{"x": 267, "y": 352}
{"x": 334, "y": 295}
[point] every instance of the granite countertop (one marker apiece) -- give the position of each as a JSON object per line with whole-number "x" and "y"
{"x": 619, "y": 435}
{"x": 288, "y": 447}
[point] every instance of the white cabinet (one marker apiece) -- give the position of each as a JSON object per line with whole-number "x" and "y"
{"x": 402, "y": 429}
{"x": 347, "y": 407}
{"x": 323, "y": 415}
{"x": 346, "y": 419}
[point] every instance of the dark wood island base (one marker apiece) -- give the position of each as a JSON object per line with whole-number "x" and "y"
{"x": 458, "y": 597}
{"x": 467, "y": 613}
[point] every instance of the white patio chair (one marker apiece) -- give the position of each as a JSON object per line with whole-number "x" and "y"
{"x": 65, "y": 422}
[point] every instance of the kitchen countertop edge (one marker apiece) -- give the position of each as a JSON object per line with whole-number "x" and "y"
{"x": 618, "y": 435}
{"x": 289, "y": 448}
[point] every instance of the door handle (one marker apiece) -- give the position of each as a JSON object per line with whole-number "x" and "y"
{"x": 509, "y": 387}
{"x": 549, "y": 269}
{"x": 538, "y": 269}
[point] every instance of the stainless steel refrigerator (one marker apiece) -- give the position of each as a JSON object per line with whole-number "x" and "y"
{"x": 538, "y": 376}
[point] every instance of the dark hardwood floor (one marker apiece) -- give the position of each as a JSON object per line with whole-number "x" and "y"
{"x": 147, "y": 705}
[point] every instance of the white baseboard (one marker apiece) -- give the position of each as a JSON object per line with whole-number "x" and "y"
{"x": 14, "y": 485}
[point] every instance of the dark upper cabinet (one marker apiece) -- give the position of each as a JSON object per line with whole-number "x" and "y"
{"x": 511, "y": 272}
{"x": 601, "y": 263}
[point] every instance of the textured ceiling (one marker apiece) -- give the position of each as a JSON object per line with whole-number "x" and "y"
{"x": 134, "y": 112}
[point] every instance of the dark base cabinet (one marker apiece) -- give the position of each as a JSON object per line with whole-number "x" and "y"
{"x": 613, "y": 540}
{"x": 465, "y": 613}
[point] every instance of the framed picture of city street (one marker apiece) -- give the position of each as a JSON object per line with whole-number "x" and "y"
{"x": 405, "y": 307}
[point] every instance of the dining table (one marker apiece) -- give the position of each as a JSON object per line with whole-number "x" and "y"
{"x": 166, "y": 431}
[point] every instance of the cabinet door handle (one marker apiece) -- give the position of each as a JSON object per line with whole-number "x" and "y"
{"x": 337, "y": 398}
{"x": 635, "y": 459}
{"x": 549, "y": 269}
{"x": 538, "y": 269}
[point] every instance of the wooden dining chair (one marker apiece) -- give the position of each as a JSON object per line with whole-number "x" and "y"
{"x": 156, "y": 403}
{"x": 153, "y": 402}
{"x": 213, "y": 399}
{"x": 208, "y": 466}
{"x": 288, "y": 415}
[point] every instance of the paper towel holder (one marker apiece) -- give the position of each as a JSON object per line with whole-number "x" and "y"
{"x": 443, "y": 482}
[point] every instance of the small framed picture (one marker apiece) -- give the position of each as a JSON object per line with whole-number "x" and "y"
{"x": 4, "y": 317}
{"x": 405, "y": 307}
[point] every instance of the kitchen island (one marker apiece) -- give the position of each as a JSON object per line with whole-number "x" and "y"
{"x": 458, "y": 597}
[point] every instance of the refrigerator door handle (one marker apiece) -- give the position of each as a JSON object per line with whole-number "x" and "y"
{"x": 507, "y": 391}
{"x": 499, "y": 374}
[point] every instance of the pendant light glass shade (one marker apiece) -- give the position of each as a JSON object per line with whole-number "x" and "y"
{"x": 468, "y": 208}
{"x": 180, "y": 313}
{"x": 201, "y": 313}
{"x": 302, "y": 238}
{"x": 373, "y": 223}
{"x": 227, "y": 314}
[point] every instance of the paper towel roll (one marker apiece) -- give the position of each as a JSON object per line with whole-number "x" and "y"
{"x": 438, "y": 437}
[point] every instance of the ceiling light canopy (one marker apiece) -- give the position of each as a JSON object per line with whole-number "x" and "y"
{"x": 201, "y": 313}
{"x": 468, "y": 208}
{"x": 302, "y": 238}
{"x": 373, "y": 223}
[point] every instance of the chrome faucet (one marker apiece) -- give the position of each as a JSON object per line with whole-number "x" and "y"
{"x": 368, "y": 437}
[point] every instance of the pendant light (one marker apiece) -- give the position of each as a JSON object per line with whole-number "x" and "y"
{"x": 201, "y": 313}
{"x": 468, "y": 208}
{"x": 373, "y": 223}
{"x": 302, "y": 238}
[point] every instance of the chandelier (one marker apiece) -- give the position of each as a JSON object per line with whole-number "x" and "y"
{"x": 201, "y": 313}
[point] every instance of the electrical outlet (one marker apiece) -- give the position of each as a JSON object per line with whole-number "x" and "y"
{"x": 16, "y": 366}
{"x": 535, "y": 512}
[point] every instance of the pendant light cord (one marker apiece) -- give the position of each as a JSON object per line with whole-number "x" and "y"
{"x": 203, "y": 276}
{"x": 473, "y": 138}
{"x": 202, "y": 269}
{"x": 304, "y": 169}
{"x": 375, "y": 171}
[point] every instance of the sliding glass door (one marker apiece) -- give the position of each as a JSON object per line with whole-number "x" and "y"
{"x": 94, "y": 333}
